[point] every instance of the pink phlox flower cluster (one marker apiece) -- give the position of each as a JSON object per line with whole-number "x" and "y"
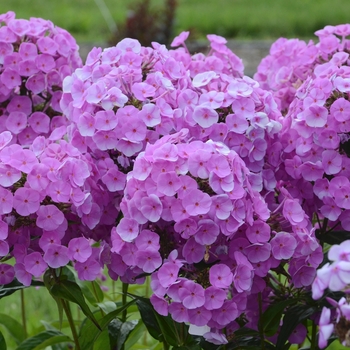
{"x": 120, "y": 99}
{"x": 314, "y": 140}
{"x": 292, "y": 61}
{"x": 43, "y": 188}
{"x": 35, "y": 57}
{"x": 334, "y": 275}
{"x": 193, "y": 201}
{"x": 219, "y": 59}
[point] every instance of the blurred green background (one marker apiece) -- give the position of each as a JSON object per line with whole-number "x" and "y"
{"x": 239, "y": 19}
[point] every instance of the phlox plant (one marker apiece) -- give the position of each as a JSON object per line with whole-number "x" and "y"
{"x": 219, "y": 193}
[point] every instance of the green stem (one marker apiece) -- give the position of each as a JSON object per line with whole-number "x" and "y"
{"x": 68, "y": 312}
{"x": 96, "y": 296}
{"x": 165, "y": 346}
{"x": 313, "y": 336}
{"x": 261, "y": 331}
{"x": 125, "y": 287}
{"x": 23, "y": 309}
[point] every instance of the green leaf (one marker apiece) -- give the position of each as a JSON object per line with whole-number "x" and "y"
{"x": 102, "y": 342}
{"x": 149, "y": 319}
{"x": 49, "y": 282}
{"x": 57, "y": 339}
{"x": 169, "y": 329}
{"x": 107, "y": 306}
{"x": 138, "y": 332}
{"x": 162, "y": 328}
{"x": 14, "y": 286}
{"x": 119, "y": 332}
{"x": 3, "y": 345}
{"x": 295, "y": 315}
{"x": 333, "y": 237}
{"x": 124, "y": 332}
{"x": 250, "y": 344}
{"x": 43, "y": 339}
{"x": 92, "y": 291}
{"x": 113, "y": 332}
{"x": 70, "y": 291}
{"x": 270, "y": 320}
{"x": 89, "y": 333}
{"x": 188, "y": 347}
{"x": 13, "y": 327}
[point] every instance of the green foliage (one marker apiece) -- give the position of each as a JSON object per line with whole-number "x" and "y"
{"x": 3, "y": 345}
{"x": 295, "y": 315}
{"x": 14, "y": 286}
{"x": 89, "y": 333}
{"x": 43, "y": 340}
{"x": 253, "y": 19}
{"x": 271, "y": 317}
{"x": 13, "y": 327}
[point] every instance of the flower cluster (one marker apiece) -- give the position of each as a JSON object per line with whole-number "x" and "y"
{"x": 47, "y": 187}
{"x": 183, "y": 202}
{"x": 180, "y": 168}
{"x": 194, "y": 222}
{"x": 313, "y": 154}
{"x": 314, "y": 145}
{"x": 35, "y": 57}
{"x": 292, "y": 61}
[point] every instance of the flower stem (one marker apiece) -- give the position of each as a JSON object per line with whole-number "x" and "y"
{"x": 124, "y": 296}
{"x": 313, "y": 336}
{"x": 125, "y": 287}
{"x": 68, "y": 312}
{"x": 23, "y": 311}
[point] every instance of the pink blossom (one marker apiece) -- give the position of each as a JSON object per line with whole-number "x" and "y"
{"x": 26, "y": 201}
{"x": 79, "y": 249}
{"x": 192, "y": 251}
{"x": 168, "y": 274}
{"x": 204, "y": 78}
{"x": 196, "y": 202}
{"x": 205, "y": 116}
{"x": 7, "y": 274}
{"x": 35, "y": 264}
{"x": 283, "y": 245}
{"x": 220, "y": 276}
{"x": 56, "y": 255}
{"x": 6, "y": 201}
{"x": 148, "y": 260}
{"x": 168, "y": 183}
{"x": 88, "y": 270}
{"x": 128, "y": 229}
{"x": 259, "y": 232}
{"x": 160, "y": 305}
{"x": 325, "y": 327}
{"x": 147, "y": 240}
{"x": 180, "y": 39}
{"x": 178, "y": 312}
{"x": 226, "y": 314}
{"x": 151, "y": 207}
{"x": 150, "y": 115}
{"x": 49, "y": 217}
{"x": 192, "y": 295}
{"x": 293, "y": 211}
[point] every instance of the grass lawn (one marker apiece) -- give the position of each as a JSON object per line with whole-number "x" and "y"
{"x": 242, "y": 19}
